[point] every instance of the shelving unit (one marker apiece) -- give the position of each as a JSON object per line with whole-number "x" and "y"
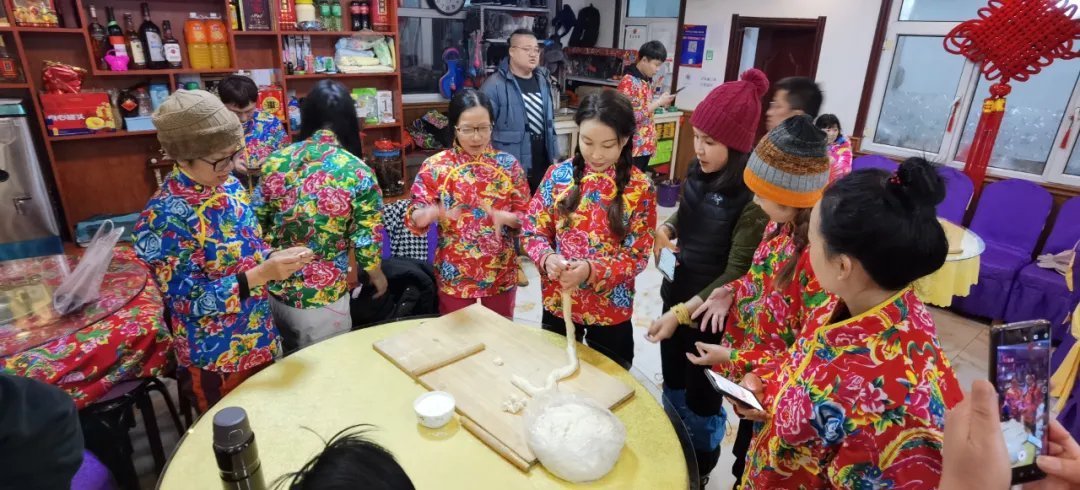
{"x": 108, "y": 172}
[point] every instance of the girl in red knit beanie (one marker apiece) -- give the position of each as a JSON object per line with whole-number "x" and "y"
{"x": 718, "y": 227}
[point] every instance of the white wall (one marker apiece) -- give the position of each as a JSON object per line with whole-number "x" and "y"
{"x": 845, "y": 49}
{"x": 607, "y": 18}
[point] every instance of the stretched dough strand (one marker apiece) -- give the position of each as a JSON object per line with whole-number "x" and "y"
{"x": 561, "y": 373}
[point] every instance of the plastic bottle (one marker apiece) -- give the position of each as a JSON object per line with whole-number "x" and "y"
{"x": 198, "y": 42}
{"x": 219, "y": 42}
{"x": 294, "y": 114}
{"x": 145, "y": 104}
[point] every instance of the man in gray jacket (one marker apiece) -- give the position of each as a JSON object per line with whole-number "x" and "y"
{"x": 524, "y": 113}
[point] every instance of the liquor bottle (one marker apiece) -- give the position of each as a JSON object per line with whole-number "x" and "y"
{"x": 135, "y": 45}
{"x": 99, "y": 37}
{"x": 150, "y": 35}
{"x": 9, "y": 71}
{"x": 171, "y": 47}
{"x": 116, "y": 34}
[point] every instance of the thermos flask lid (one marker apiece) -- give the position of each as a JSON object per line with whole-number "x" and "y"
{"x": 231, "y": 427}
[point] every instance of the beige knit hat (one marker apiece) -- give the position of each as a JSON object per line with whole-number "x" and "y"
{"x": 194, "y": 123}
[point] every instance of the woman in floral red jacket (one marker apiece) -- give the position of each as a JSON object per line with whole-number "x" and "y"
{"x": 860, "y": 402}
{"x": 479, "y": 196}
{"x": 590, "y": 226}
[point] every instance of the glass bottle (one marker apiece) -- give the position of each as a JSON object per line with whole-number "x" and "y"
{"x": 171, "y": 47}
{"x": 134, "y": 44}
{"x": 150, "y": 35}
{"x": 99, "y": 38}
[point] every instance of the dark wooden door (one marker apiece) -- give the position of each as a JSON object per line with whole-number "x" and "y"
{"x": 785, "y": 48}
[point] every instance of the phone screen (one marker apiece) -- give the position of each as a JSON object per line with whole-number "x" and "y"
{"x": 667, "y": 264}
{"x": 729, "y": 388}
{"x": 1020, "y": 363}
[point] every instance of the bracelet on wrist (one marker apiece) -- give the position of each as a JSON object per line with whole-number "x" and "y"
{"x": 682, "y": 315}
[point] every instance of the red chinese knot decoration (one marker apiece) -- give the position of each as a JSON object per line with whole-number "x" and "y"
{"x": 1011, "y": 40}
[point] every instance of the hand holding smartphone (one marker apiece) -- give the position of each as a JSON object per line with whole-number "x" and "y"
{"x": 1020, "y": 371}
{"x": 735, "y": 392}
{"x": 667, "y": 264}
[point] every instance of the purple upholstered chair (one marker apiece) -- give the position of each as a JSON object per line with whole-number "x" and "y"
{"x": 1010, "y": 217}
{"x": 958, "y": 192}
{"x": 92, "y": 475}
{"x": 874, "y": 161}
{"x": 1041, "y": 293}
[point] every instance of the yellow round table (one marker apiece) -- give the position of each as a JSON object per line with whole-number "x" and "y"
{"x": 960, "y": 271}
{"x": 343, "y": 381}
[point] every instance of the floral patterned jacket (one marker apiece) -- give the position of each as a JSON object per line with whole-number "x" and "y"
{"x": 839, "y": 158}
{"x": 318, "y": 195}
{"x": 858, "y": 404}
{"x": 470, "y": 261}
{"x": 639, "y": 91}
{"x": 764, "y": 320}
{"x": 608, "y": 298}
{"x": 263, "y": 135}
{"x": 196, "y": 240}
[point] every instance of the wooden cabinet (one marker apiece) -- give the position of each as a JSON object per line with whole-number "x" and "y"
{"x": 107, "y": 173}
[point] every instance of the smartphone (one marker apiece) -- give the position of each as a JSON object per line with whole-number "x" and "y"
{"x": 667, "y": 264}
{"x": 1020, "y": 371}
{"x": 740, "y": 395}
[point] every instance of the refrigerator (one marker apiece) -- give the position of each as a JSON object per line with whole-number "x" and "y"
{"x": 28, "y": 225}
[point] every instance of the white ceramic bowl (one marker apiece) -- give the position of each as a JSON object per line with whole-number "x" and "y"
{"x": 434, "y": 409}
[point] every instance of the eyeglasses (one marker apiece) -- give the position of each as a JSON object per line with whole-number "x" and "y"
{"x": 222, "y": 164}
{"x": 482, "y": 130}
{"x": 528, "y": 50}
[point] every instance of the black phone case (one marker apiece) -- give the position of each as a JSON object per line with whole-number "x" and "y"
{"x": 1029, "y": 473}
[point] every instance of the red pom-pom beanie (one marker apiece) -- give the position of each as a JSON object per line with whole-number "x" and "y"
{"x": 730, "y": 113}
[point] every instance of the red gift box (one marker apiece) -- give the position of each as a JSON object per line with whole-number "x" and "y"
{"x": 85, "y": 113}
{"x": 272, "y": 101}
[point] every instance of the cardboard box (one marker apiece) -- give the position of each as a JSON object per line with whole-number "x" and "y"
{"x": 34, "y": 13}
{"x": 272, "y": 101}
{"x": 70, "y": 114}
{"x": 256, "y": 14}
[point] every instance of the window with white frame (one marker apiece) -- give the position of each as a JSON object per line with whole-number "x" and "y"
{"x": 927, "y": 102}
{"x": 425, "y": 36}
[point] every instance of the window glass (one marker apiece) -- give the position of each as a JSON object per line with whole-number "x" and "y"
{"x": 653, "y": 8}
{"x": 940, "y": 10}
{"x": 423, "y": 41}
{"x": 915, "y": 109}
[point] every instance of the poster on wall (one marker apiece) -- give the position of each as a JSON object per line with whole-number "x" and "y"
{"x": 634, "y": 36}
{"x": 693, "y": 46}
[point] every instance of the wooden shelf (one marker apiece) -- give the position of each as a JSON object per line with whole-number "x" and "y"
{"x": 597, "y": 81}
{"x": 47, "y": 30}
{"x": 332, "y": 33}
{"x": 102, "y": 135}
{"x": 16, "y": 85}
{"x": 165, "y": 72}
{"x": 341, "y": 75}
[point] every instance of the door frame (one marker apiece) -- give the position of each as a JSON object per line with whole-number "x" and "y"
{"x": 740, "y": 23}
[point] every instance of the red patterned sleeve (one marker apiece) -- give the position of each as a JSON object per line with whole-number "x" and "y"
{"x": 629, "y": 87}
{"x": 539, "y": 226}
{"x": 633, "y": 256}
{"x": 519, "y": 202}
{"x": 425, "y": 192}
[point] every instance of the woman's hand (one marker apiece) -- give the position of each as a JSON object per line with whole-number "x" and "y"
{"x": 752, "y": 383}
{"x": 554, "y": 265}
{"x": 575, "y": 274}
{"x": 499, "y": 219}
{"x": 662, "y": 241}
{"x": 973, "y": 452}
{"x": 279, "y": 266}
{"x": 378, "y": 279}
{"x": 662, "y": 328}
{"x": 1062, "y": 466}
{"x": 714, "y": 310}
{"x": 709, "y": 354}
{"x": 424, "y": 217}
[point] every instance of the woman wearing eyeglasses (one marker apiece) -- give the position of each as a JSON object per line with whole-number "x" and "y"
{"x": 200, "y": 236}
{"x": 479, "y": 196}
{"x": 318, "y": 193}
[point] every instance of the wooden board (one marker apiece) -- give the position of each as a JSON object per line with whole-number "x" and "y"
{"x": 480, "y": 382}
{"x": 418, "y": 351}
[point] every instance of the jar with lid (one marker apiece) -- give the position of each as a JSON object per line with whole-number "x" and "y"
{"x": 387, "y": 163}
{"x": 305, "y": 11}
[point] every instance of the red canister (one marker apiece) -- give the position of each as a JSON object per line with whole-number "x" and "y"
{"x": 380, "y": 15}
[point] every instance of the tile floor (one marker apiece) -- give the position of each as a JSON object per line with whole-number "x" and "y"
{"x": 965, "y": 341}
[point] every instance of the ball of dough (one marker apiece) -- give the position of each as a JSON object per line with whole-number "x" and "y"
{"x": 574, "y": 438}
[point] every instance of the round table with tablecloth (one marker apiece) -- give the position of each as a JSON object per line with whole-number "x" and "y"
{"x": 120, "y": 336}
{"x": 960, "y": 271}
{"x": 343, "y": 381}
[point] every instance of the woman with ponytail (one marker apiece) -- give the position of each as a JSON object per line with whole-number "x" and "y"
{"x": 589, "y": 228}
{"x": 779, "y": 296}
{"x": 860, "y": 401}
{"x": 478, "y": 195}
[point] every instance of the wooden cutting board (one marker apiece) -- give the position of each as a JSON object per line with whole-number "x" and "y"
{"x": 480, "y": 379}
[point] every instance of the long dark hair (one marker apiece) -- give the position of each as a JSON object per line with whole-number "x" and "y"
{"x": 613, "y": 110}
{"x": 329, "y": 106}
{"x": 466, "y": 99}
{"x": 887, "y": 222}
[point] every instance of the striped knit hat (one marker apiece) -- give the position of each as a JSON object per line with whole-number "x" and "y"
{"x": 790, "y": 165}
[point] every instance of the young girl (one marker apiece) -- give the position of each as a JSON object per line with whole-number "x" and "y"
{"x": 779, "y": 296}
{"x": 718, "y": 228}
{"x": 479, "y": 195}
{"x": 590, "y": 228}
{"x": 860, "y": 402}
{"x": 839, "y": 146}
